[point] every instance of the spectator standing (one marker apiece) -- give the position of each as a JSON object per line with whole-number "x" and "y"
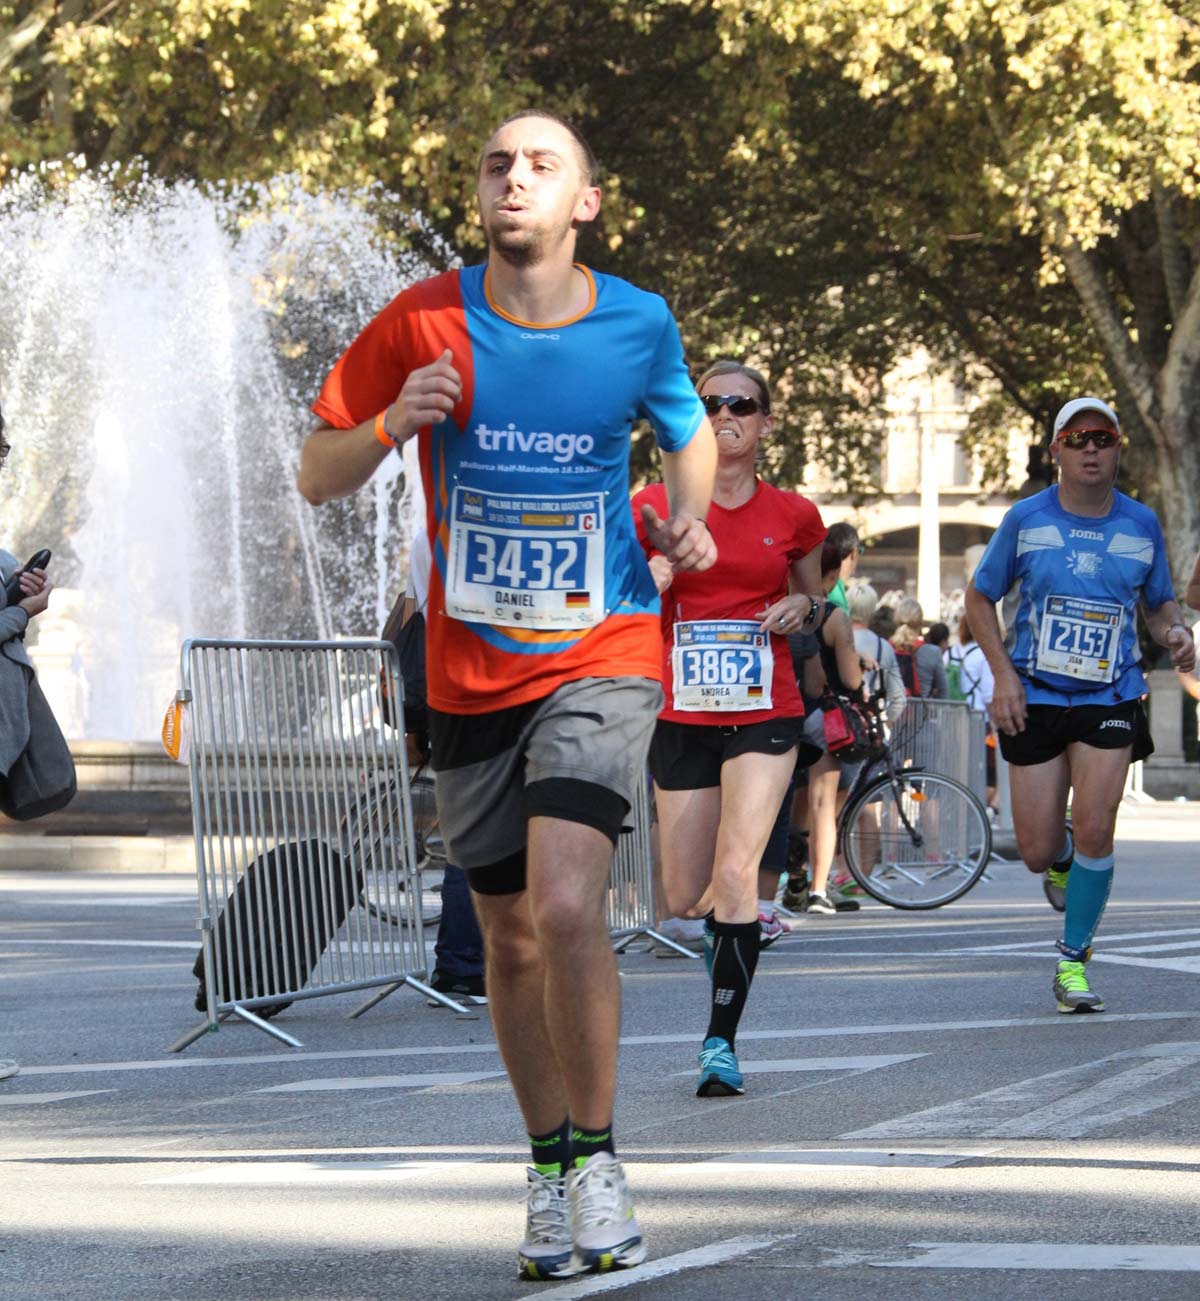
{"x": 844, "y": 538}
{"x": 928, "y": 674}
{"x": 885, "y": 676}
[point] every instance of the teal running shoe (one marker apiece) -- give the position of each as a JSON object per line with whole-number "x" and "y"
{"x": 719, "y": 1073}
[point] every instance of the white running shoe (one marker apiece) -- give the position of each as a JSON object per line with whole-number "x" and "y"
{"x": 546, "y": 1251}
{"x": 606, "y": 1234}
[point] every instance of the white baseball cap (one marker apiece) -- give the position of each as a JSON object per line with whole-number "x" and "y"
{"x": 1076, "y": 405}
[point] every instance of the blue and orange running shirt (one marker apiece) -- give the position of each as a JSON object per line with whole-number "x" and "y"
{"x": 1070, "y": 586}
{"x": 538, "y": 578}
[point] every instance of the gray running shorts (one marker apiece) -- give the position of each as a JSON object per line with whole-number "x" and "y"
{"x": 493, "y": 771}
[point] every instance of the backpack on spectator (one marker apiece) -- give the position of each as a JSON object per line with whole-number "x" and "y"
{"x": 962, "y": 685}
{"x": 906, "y": 658}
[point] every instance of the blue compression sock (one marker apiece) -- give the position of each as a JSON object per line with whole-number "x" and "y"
{"x": 1087, "y": 895}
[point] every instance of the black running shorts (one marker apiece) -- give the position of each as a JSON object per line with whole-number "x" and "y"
{"x": 688, "y": 756}
{"x": 1049, "y": 729}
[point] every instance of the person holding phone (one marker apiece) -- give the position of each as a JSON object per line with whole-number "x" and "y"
{"x": 16, "y": 668}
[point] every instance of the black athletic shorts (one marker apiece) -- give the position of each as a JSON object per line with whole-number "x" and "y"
{"x": 1049, "y": 729}
{"x": 688, "y": 756}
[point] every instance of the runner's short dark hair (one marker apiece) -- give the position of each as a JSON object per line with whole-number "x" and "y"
{"x": 583, "y": 151}
{"x": 844, "y": 536}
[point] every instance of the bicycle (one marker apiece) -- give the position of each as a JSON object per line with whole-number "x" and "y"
{"x": 911, "y": 838}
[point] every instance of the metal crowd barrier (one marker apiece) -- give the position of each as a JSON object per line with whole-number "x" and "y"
{"x": 631, "y": 883}
{"x": 944, "y": 736}
{"x": 302, "y": 811}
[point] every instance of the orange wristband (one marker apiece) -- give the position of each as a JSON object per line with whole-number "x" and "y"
{"x": 381, "y": 431}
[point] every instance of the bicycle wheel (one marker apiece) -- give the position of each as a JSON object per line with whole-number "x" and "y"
{"x": 916, "y": 840}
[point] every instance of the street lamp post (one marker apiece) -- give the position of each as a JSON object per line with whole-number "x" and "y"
{"x": 929, "y": 551}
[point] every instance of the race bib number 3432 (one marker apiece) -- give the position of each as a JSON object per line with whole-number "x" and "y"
{"x": 1080, "y": 638}
{"x": 721, "y": 664}
{"x": 530, "y": 562}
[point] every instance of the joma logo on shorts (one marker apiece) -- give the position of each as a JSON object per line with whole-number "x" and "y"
{"x": 1117, "y": 722}
{"x": 562, "y": 447}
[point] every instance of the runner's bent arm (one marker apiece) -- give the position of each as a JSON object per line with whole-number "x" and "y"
{"x": 1192, "y": 595}
{"x": 1168, "y": 629}
{"x": 688, "y": 476}
{"x": 840, "y": 635}
{"x": 1007, "y": 709}
{"x": 804, "y": 577}
{"x": 337, "y": 462}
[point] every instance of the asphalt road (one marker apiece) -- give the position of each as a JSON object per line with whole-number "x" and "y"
{"x": 917, "y": 1118}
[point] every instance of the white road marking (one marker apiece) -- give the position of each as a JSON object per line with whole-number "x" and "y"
{"x": 627, "y": 1041}
{"x": 1104, "y": 938}
{"x": 1190, "y": 965}
{"x": 337, "y": 1085}
{"x": 37, "y": 1099}
{"x": 1062, "y": 1104}
{"x": 309, "y": 1172}
{"x": 1155, "y": 1257}
{"x": 844, "y": 1156}
{"x": 790, "y": 1064}
{"x": 193, "y": 945}
{"x": 717, "y": 1253}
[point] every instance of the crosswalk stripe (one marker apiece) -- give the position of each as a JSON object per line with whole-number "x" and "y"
{"x": 426, "y": 1081}
{"x": 1160, "y": 1258}
{"x": 39, "y": 1099}
{"x": 1062, "y": 1104}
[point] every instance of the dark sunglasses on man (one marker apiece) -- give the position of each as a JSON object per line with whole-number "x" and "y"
{"x": 1079, "y": 438}
{"x": 737, "y": 404}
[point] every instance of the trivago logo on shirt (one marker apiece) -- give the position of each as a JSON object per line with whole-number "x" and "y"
{"x": 561, "y": 448}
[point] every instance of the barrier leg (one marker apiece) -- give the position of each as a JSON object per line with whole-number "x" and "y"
{"x": 377, "y": 997}
{"x": 464, "y": 1013}
{"x": 273, "y": 1030}
{"x": 205, "y": 1027}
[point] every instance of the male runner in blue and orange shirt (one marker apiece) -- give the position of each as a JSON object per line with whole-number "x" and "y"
{"x": 521, "y": 379}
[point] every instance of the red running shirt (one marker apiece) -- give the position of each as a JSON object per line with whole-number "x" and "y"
{"x": 756, "y": 545}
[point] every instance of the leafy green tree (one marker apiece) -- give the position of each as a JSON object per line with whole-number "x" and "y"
{"x": 1073, "y": 123}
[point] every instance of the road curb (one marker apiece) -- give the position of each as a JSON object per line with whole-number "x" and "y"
{"x": 175, "y": 854}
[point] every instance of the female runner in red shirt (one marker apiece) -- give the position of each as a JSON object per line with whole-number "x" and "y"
{"x": 725, "y": 745}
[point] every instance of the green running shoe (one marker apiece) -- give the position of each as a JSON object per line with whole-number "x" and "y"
{"x": 1054, "y": 883}
{"x": 1054, "y": 879}
{"x": 1072, "y": 990}
{"x": 719, "y": 1073}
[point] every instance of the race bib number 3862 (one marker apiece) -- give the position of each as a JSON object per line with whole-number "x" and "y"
{"x": 722, "y": 664}
{"x": 530, "y": 562}
{"x": 1080, "y": 638}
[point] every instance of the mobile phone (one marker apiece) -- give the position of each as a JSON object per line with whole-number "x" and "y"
{"x": 12, "y": 589}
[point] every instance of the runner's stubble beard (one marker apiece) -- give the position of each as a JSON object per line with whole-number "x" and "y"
{"x": 526, "y": 248}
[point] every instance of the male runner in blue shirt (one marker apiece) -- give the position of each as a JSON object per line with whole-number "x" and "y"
{"x": 1071, "y": 565}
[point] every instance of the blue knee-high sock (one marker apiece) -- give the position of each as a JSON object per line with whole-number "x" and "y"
{"x": 1087, "y": 894}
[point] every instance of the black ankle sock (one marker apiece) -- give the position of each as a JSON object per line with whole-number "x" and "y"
{"x": 552, "y": 1151}
{"x": 735, "y": 956}
{"x": 587, "y": 1142}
